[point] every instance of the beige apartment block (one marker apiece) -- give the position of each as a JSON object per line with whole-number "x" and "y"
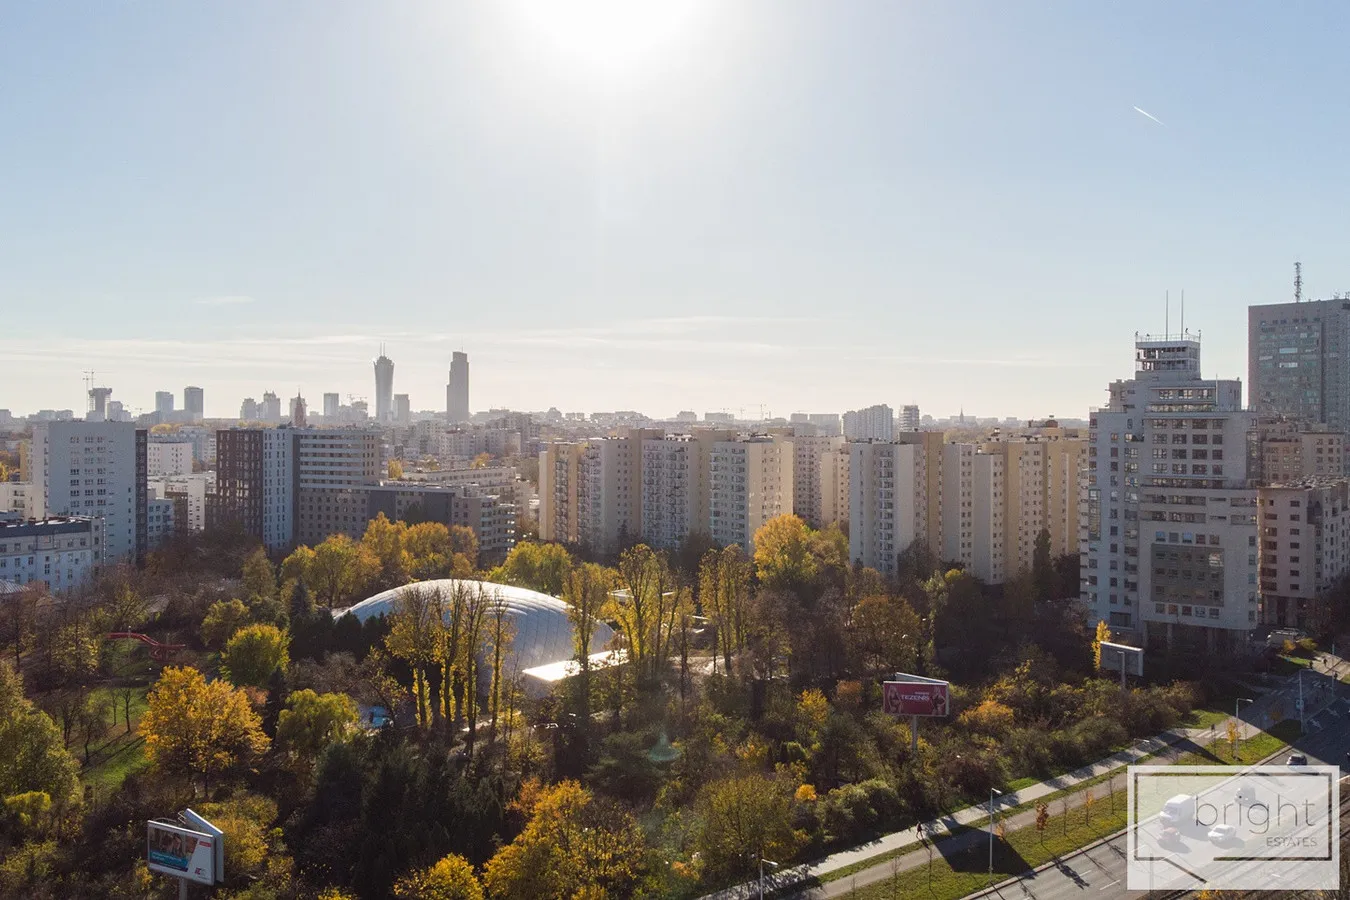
{"x": 751, "y": 483}
{"x": 1305, "y": 548}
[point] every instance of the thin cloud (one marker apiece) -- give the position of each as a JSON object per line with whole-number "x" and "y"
{"x": 1150, "y": 115}
{"x": 227, "y": 300}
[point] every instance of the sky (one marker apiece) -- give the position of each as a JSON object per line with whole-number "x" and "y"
{"x": 695, "y": 204}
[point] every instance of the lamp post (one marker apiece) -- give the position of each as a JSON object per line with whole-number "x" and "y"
{"x": 1238, "y": 724}
{"x": 762, "y": 863}
{"x": 993, "y": 792}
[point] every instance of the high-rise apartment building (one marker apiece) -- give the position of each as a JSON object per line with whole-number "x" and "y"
{"x": 255, "y": 484}
{"x": 888, "y": 506}
{"x": 1298, "y": 361}
{"x": 95, "y": 469}
{"x": 676, "y": 486}
{"x": 1305, "y": 550}
{"x": 1292, "y": 451}
{"x": 827, "y": 424}
{"x": 331, "y": 404}
{"x": 168, "y": 458}
{"x": 384, "y": 389}
{"x": 248, "y": 410}
{"x": 457, "y": 391}
{"x": 809, "y": 489}
{"x": 270, "y": 408}
{"x": 609, "y": 494}
{"x": 834, "y": 485}
{"x": 194, "y": 403}
{"x": 402, "y": 410}
{"x": 909, "y": 418}
{"x": 164, "y": 405}
{"x": 875, "y": 423}
{"x": 559, "y": 482}
{"x": 750, "y": 483}
{"x": 1169, "y": 533}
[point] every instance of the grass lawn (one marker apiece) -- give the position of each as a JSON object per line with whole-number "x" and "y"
{"x": 115, "y": 754}
{"x": 1204, "y": 718}
{"x": 1251, "y": 750}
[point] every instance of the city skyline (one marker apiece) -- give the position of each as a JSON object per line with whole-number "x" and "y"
{"x": 780, "y": 205}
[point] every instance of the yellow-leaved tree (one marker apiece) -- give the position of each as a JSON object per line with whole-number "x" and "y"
{"x": 1103, "y": 635}
{"x": 450, "y": 879}
{"x": 199, "y": 728}
{"x": 783, "y": 558}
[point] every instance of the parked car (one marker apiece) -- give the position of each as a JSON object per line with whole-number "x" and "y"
{"x": 1224, "y": 836}
{"x": 1170, "y": 837}
{"x": 1298, "y": 759}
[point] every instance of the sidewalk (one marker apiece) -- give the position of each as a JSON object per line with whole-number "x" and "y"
{"x": 1162, "y": 745}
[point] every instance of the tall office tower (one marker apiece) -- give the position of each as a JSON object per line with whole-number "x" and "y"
{"x": 248, "y": 410}
{"x": 94, "y": 469}
{"x": 1169, "y": 538}
{"x": 98, "y": 405}
{"x": 875, "y": 423}
{"x": 331, "y": 404}
{"x": 164, "y": 405}
{"x": 194, "y": 403}
{"x": 750, "y": 483}
{"x": 402, "y": 410}
{"x": 909, "y": 417}
{"x": 298, "y": 418}
{"x": 255, "y": 484}
{"x": 270, "y": 409}
{"x": 457, "y": 391}
{"x": 1297, "y": 363}
{"x": 384, "y": 388}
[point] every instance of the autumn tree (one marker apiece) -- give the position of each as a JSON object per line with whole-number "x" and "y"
{"x": 416, "y": 636}
{"x": 260, "y": 579}
{"x": 501, "y": 632}
{"x": 574, "y": 845}
{"x": 887, "y": 633}
{"x": 724, "y": 592}
{"x": 340, "y": 570}
{"x": 1102, "y": 636}
{"x": 451, "y": 878}
{"x": 33, "y": 756}
{"x": 296, "y": 568}
{"x": 783, "y": 558}
{"x": 311, "y": 721}
{"x": 539, "y": 567}
{"x": 395, "y": 470}
{"x": 197, "y": 727}
{"x": 223, "y": 619}
{"x": 126, "y": 609}
{"x": 646, "y": 608}
{"x": 586, "y": 592}
{"x": 744, "y": 816}
{"x": 384, "y": 540}
{"x": 18, "y": 619}
{"x": 254, "y": 653}
{"x": 463, "y": 542}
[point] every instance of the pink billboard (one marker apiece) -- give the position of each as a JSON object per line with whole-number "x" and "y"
{"x": 911, "y": 698}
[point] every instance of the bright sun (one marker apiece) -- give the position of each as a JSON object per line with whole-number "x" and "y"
{"x": 611, "y": 35}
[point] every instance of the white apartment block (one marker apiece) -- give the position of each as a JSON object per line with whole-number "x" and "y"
{"x": 58, "y": 552}
{"x": 192, "y": 489}
{"x": 1291, "y": 452}
{"x": 875, "y": 423}
{"x": 278, "y": 488}
{"x": 95, "y": 469}
{"x": 887, "y": 504}
{"x": 910, "y": 420}
{"x": 169, "y": 458}
{"x": 14, "y": 497}
{"x": 1305, "y": 549}
{"x": 159, "y": 522}
{"x": 809, "y": 488}
{"x": 609, "y": 493}
{"x": 834, "y": 485}
{"x": 750, "y": 483}
{"x": 1169, "y": 533}
{"x": 674, "y": 490}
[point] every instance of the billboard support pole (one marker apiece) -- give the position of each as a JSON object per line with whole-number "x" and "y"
{"x": 182, "y": 889}
{"x": 1123, "y": 688}
{"x": 913, "y": 735}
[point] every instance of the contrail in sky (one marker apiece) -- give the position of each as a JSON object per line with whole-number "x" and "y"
{"x": 1150, "y": 115}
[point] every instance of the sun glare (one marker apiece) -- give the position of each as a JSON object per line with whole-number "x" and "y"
{"x": 613, "y": 36}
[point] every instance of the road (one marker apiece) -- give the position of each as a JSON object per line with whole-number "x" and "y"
{"x": 1101, "y": 870}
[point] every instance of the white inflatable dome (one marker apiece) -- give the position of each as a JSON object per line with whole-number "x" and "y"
{"x": 543, "y": 630}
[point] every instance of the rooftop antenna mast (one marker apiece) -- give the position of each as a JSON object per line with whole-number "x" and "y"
{"x": 1167, "y": 316}
{"x": 1183, "y": 315}
{"x": 1298, "y": 282}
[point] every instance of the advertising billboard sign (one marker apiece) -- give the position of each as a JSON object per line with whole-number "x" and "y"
{"x": 181, "y": 852}
{"x": 915, "y": 698}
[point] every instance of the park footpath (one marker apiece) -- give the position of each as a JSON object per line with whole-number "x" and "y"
{"x": 1161, "y": 749}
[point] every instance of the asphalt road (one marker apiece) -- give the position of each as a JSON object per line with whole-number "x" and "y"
{"x": 1100, "y": 872}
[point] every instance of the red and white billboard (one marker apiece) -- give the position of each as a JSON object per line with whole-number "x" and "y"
{"x": 915, "y": 698}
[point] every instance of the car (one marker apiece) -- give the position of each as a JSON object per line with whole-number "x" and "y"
{"x": 1224, "y": 836}
{"x": 1298, "y": 759}
{"x": 1169, "y": 837}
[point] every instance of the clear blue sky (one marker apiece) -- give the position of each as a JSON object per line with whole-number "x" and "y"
{"x": 811, "y": 206}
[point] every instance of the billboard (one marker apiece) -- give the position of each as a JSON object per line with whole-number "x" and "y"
{"x": 915, "y": 698}
{"x": 181, "y": 852}
{"x": 1113, "y": 655}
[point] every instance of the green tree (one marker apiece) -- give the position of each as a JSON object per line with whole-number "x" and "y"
{"x": 260, "y": 579}
{"x": 539, "y": 567}
{"x": 200, "y": 728}
{"x": 341, "y": 570}
{"x": 450, "y": 879}
{"x": 416, "y": 636}
{"x": 586, "y": 592}
{"x": 384, "y": 540}
{"x": 887, "y": 633}
{"x": 33, "y": 756}
{"x": 310, "y": 722}
{"x": 1103, "y": 635}
{"x": 296, "y": 568}
{"x": 223, "y": 619}
{"x": 254, "y": 653}
{"x": 783, "y": 558}
{"x": 575, "y": 845}
{"x": 745, "y": 816}
{"x": 1042, "y": 568}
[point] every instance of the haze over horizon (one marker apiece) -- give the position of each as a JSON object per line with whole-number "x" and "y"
{"x": 722, "y": 206}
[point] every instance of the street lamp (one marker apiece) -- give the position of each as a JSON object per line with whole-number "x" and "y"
{"x": 993, "y": 792}
{"x": 762, "y": 863}
{"x": 1238, "y": 724}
